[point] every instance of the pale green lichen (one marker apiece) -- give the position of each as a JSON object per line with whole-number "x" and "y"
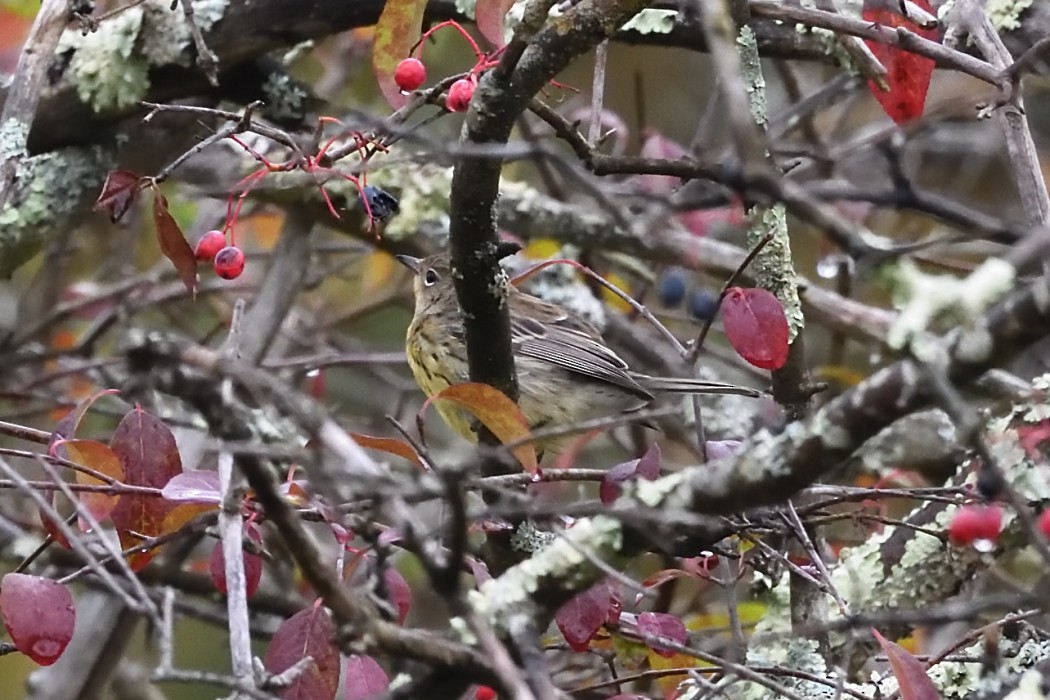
{"x": 110, "y": 67}
{"x": 755, "y": 81}
{"x": 654, "y": 493}
{"x": 50, "y": 188}
{"x": 466, "y": 8}
{"x": 652, "y": 21}
{"x": 13, "y": 137}
{"x": 285, "y": 99}
{"x": 166, "y": 38}
{"x": 567, "y": 559}
{"x": 422, "y": 190}
{"x": 530, "y": 539}
{"x": 798, "y": 654}
{"x": 1006, "y": 14}
{"x": 105, "y": 69}
{"x": 832, "y": 46}
{"x": 924, "y": 298}
{"x": 773, "y": 269}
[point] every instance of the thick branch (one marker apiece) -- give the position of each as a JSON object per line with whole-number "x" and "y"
{"x": 501, "y": 97}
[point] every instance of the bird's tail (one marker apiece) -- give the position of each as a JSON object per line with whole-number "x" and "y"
{"x": 694, "y": 386}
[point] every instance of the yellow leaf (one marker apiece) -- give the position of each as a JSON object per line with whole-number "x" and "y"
{"x": 611, "y": 298}
{"x": 495, "y": 411}
{"x": 398, "y": 28}
{"x": 843, "y": 376}
{"x": 379, "y": 268}
{"x": 541, "y": 249}
{"x": 264, "y": 227}
{"x": 750, "y": 612}
{"x": 668, "y": 684}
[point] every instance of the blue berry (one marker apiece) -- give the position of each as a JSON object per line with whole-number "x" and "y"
{"x": 381, "y": 203}
{"x": 670, "y": 289}
{"x": 703, "y": 303}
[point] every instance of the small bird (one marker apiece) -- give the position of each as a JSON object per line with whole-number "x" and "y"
{"x": 566, "y": 372}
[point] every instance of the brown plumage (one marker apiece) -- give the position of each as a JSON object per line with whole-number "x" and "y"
{"x": 566, "y": 372}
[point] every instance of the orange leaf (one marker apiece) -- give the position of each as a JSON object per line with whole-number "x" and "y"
{"x": 173, "y": 244}
{"x": 496, "y": 412}
{"x": 389, "y": 445}
{"x": 102, "y": 459}
{"x": 397, "y": 30}
{"x": 182, "y": 514}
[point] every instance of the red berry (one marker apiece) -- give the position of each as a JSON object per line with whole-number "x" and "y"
{"x": 992, "y": 523}
{"x": 209, "y": 244}
{"x": 229, "y": 262}
{"x": 484, "y": 693}
{"x": 973, "y": 523}
{"x": 459, "y": 94}
{"x": 410, "y": 74}
{"x": 963, "y": 528}
{"x": 1044, "y": 523}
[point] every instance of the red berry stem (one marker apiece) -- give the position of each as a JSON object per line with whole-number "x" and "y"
{"x": 441, "y": 25}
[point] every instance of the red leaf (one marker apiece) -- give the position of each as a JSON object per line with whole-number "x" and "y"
{"x": 756, "y": 326}
{"x": 580, "y": 618}
{"x": 364, "y": 678}
{"x": 308, "y": 632}
{"x": 118, "y": 193}
{"x": 198, "y": 486}
{"x": 173, "y": 244}
{"x": 907, "y": 74}
{"x": 253, "y": 564}
{"x": 909, "y": 671}
{"x": 648, "y": 467}
{"x": 396, "y": 31}
{"x": 398, "y": 592}
{"x": 149, "y": 456}
{"x": 662, "y": 625}
{"x": 488, "y": 16}
{"x": 38, "y": 614}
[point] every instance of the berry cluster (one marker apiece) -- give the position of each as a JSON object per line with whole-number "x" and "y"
{"x": 672, "y": 288}
{"x": 976, "y": 524}
{"x": 226, "y": 260}
{"x": 410, "y": 73}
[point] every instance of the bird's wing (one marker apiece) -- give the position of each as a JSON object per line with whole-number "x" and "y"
{"x": 551, "y": 334}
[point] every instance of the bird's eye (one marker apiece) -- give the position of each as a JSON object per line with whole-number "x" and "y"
{"x": 430, "y": 277}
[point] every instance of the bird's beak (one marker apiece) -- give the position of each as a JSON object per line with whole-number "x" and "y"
{"x": 412, "y": 263}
